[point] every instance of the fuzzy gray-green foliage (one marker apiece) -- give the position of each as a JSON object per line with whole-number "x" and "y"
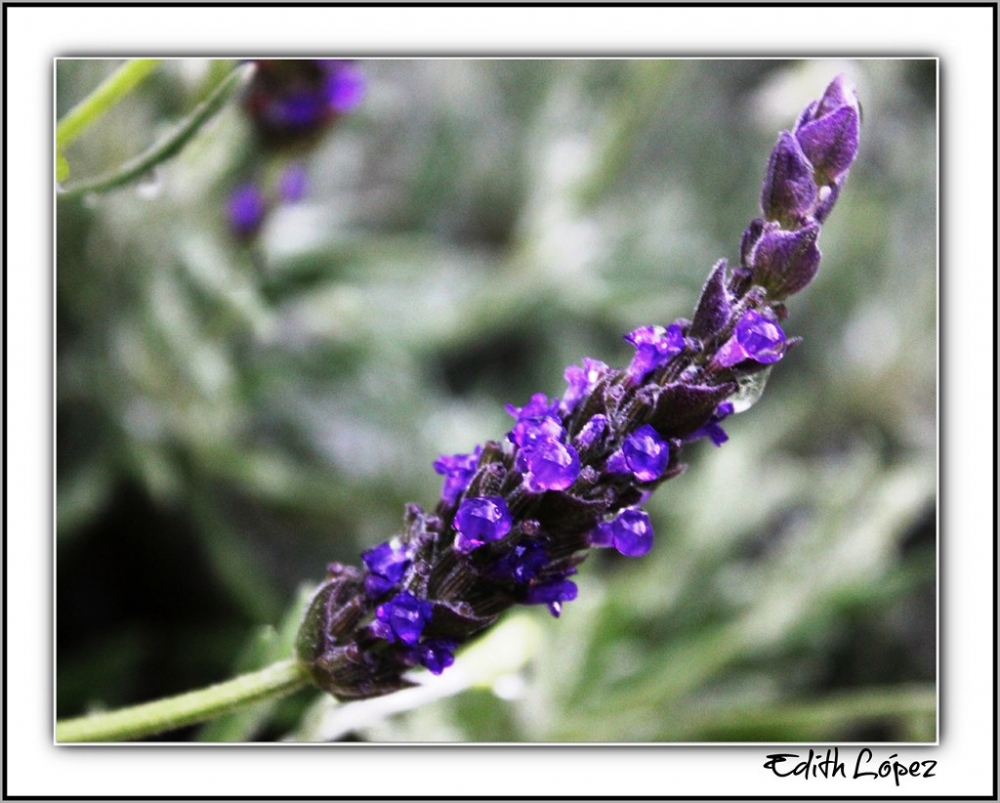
{"x": 231, "y": 417}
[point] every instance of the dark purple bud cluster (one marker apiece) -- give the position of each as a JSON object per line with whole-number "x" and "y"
{"x": 290, "y": 102}
{"x": 516, "y": 518}
{"x": 805, "y": 173}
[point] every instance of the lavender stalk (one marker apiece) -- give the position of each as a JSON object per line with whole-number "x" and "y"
{"x": 516, "y": 518}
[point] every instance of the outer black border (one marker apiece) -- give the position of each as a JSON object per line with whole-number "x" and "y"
{"x": 942, "y": 291}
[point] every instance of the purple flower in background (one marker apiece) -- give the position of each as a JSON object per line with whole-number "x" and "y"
{"x": 516, "y": 517}
{"x": 293, "y": 183}
{"x": 246, "y": 210}
{"x": 292, "y": 100}
{"x": 345, "y": 85}
{"x": 290, "y": 103}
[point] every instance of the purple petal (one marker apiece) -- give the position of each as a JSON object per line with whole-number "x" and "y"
{"x": 522, "y": 564}
{"x": 646, "y": 453}
{"x": 480, "y": 520}
{"x": 762, "y": 339}
{"x": 386, "y": 566}
{"x": 552, "y": 593}
{"x": 591, "y": 431}
{"x": 528, "y": 431}
{"x": 633, "y": 533}
{"x": 654, "y": 346}
{"x": 551, "y": 465}
{"x": 838, "y": 93}
{"x": 756, "y": 338}
{"x": 603, "y": 535}
{"x": 712, "y": 429}
{"x": 406, "y": 617}
{"x": 581, "y": 382}
{"x": 458, "y": 471}
{"x": 437, "y": 654}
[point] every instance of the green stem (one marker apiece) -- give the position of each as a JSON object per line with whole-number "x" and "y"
{"x": 146, "y": 719}
{"x": 170, "y": 145}
{"x": 115, "y": 87}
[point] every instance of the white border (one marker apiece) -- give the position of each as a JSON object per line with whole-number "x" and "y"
{"x": 961, "y": 36}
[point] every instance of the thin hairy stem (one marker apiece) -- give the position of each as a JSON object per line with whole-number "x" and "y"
{"x": 125, "y": 724}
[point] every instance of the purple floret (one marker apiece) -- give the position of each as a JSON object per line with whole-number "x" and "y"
{"x": 386, "y": 566}
{"x": 552, "y": 593}
{"x": 481, "y": 520}
{"x": 403, "y": 617}
{"x": 654, "y": 346}
{"x": 458, "y": 471}
{"x": 646, "y": 453}
{"x": 631, "y": 533}
{"x": 581, "y": 382}
{"x": 550, "y": 465}
{"x": 756, "y": 338}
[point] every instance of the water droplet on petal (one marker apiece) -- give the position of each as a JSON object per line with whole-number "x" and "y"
{"x": 750, "y": 389}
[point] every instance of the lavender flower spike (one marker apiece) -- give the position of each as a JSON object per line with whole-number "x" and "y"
{"x": 517, "y": 517}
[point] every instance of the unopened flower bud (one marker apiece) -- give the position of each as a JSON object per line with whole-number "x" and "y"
{"x": 789, "y": 192}
{"x": 830, "y": 143}
{"x": 784, "y": 262}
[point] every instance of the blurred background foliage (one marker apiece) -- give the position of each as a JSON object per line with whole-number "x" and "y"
{"x": 232, "y": 414}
